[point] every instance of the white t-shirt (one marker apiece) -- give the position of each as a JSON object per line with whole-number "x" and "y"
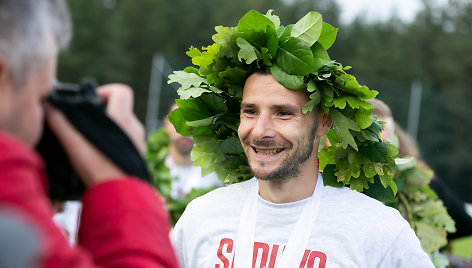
{"x": 69, "y": 220}
{"x": 351, "y": 230}
{"x": 188, "y": 178}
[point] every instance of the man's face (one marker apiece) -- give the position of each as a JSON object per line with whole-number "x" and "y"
{"x": 22, "y": 113}
{"x": 276, "y": 136}
{"x": 183, "y": 144}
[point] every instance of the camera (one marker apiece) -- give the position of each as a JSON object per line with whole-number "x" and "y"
{"x": 86, "y": 111}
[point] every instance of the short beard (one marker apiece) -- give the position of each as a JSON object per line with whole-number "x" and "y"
{"x": 289, "y": 167}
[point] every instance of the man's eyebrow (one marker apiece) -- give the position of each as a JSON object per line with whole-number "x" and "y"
{"x": 287, "y": 107}
{"x": 247, "y": 105}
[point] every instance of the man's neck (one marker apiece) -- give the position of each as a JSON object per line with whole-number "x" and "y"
{"x": 179, "y": 159}
{"x": 292, "y": 189}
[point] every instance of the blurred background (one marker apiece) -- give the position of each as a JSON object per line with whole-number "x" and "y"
{"x": 417, "y": 54}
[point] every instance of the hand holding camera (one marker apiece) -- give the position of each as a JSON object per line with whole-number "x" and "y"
{"x": 97, "y": 131}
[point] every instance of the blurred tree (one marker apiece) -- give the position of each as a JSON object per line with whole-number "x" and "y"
{"x": 115, "y": 40}
{"x": 436, "y": 49}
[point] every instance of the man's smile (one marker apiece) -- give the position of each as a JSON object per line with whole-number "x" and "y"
{"x": 267, "y": 151}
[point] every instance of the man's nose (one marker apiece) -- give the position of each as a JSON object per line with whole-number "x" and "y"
{"x": 263, "y": 127}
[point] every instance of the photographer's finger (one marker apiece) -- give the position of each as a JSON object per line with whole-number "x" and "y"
{"x": 90, "y": 164}
{"x": 119, "y": 102}
{"x": 119, "y": 98}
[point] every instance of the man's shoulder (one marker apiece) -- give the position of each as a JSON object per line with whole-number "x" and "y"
{"x": 347, "y": 201}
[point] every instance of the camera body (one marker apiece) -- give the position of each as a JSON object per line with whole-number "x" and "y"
{"x": 86, "y": 111}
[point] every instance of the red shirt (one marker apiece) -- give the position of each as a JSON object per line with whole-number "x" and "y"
{"x": 123, "y": 223}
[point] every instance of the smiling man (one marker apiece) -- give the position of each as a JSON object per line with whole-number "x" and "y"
{"x": 279, "y": 140}
{"x": 285, "y": 216}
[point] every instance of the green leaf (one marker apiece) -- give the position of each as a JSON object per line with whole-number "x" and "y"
{"x": 284, "y": 33}
{"x": 192, "y": 92}
{"x": 254, "y": 21}
{"x": 342, "y": 124}
{"x": 430, "y": 236}
{"x": 369, "y": 170}
{"x": 343, "y": 175}
{"x": 376, "y": 152}
{"x": 340, "y": 102}
{"x": 404, "y": 163}
{"x": 308, "y": 28}
{"x": 247, "y": 52}
{"x": 326, "y": 156}
{"x": 202, "y": 122}
{"x": 295, "y": 57}
{"x": 274, "y": 18}
{"x": 266, "y": 56}
{"x": 234, "y": 75}
{"x": 213, "y": 104}
{"x": 272, "y": 43}
{"x": 207, "y": 57}
{"x": 320, "y": 55}
{"x": 177, "y": 119}
{"x": 329, "y": 178}
{"x": 349, "y": 84}
{"x": 191, "y": 69}
{"x": 385, "y": 180}
{"x": 311, "y": 86}
{"x": 394, "y": 187}
{"x": 193, "y": 52}
{"x": 285, "y": 79}
{"x": 392, "y": 150}
{"x": 363, "y": 118}
{"x": 185, "y": 79}
{"x": 359, "y": 184}
{"x": 223, "y": 37}
{"x": 328, "y": 35}
{"x": 377, "y": 191}
{"x": 315, "y": 99}
{"x": 333, "y": 137}
{"x": 232, "y": 145}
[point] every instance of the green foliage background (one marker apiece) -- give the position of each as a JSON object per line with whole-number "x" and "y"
{"x": 114, "y": 41}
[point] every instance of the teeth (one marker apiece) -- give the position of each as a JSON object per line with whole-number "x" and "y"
{"x": 268, "y": 152}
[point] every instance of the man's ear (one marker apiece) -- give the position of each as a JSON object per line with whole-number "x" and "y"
{"x": 324, "y": 124}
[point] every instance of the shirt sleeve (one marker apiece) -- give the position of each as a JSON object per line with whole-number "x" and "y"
{"x": 406, "y": 251}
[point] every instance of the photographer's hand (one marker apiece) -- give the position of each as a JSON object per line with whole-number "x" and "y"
{"x": 119, "y": 102}
{"x": 90, "y": 164}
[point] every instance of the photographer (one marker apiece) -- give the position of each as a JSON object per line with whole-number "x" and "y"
{"x": 123, "y": 222}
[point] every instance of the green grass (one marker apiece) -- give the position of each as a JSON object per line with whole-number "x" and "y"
{"x": 462, "y": 247}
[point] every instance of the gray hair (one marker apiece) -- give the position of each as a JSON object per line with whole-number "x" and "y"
{"x": 25, "y": 26}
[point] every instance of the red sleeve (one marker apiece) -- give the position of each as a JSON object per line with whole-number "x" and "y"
{"x": 141, "y": 239}
{"x": 107, "y": 236}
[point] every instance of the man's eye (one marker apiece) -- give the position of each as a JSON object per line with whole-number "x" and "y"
{"x": 284, "y": 114}
{"x": 249, "y": 112}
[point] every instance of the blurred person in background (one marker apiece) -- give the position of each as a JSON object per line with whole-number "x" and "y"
{"x": 181, "y": 166}
{"x": 174, "y": 175}
{"x": 407, "y": 147}
{"x": 123, "y": 221}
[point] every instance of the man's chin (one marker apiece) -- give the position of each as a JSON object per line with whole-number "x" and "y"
{"x": 268, "y": 175}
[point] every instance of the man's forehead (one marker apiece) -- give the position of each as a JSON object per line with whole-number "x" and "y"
{"x": 263, "y": 89}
